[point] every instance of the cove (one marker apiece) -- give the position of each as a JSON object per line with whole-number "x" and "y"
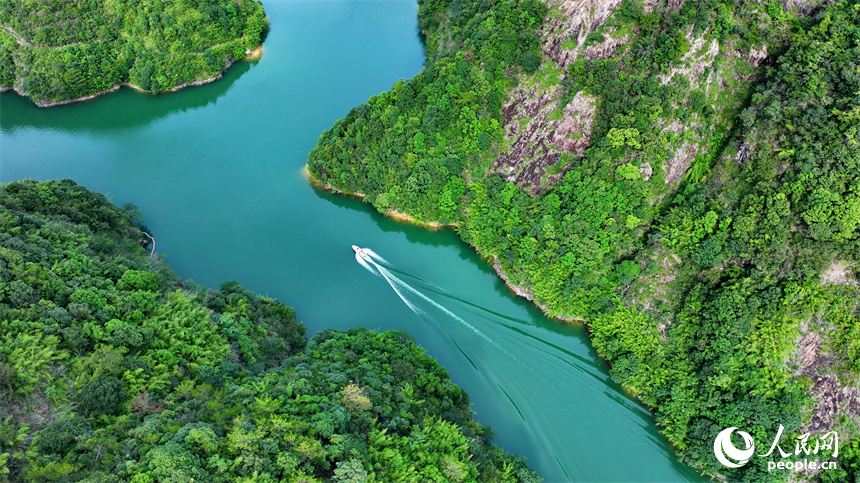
{"x": 217, "y": 172}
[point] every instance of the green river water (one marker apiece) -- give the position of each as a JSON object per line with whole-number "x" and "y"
{"x": 216, "y": 171}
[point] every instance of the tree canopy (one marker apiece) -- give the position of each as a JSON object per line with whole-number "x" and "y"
{"x": 693, "y": 233}
{"x": 111, "y": 369}
{"x": 57, "y": 50}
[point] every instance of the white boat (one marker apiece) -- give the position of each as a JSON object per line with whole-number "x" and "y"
{"x": 360, "y": 252}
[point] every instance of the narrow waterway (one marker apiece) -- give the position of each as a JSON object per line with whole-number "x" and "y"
{"x": 216, "y": 170}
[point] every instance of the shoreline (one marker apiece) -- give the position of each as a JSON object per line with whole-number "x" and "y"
{"x": 521, "y": 292}
{"x": 327, "y": 187}
{"x": 403, "y": 217}
{"x": 253, "y": 55}
{"x": 493, "y": 260}
{"x": 391, "y": 213}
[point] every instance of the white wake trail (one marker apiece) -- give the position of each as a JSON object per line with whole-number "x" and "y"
{"x": 392, "y": 279}
{"x": 378, "y": 272}
{"x": 399, "y": 294}
{"x": 375, "y": 255}
{"x": 365, "y": 264}
{"x": 398, "y": 285}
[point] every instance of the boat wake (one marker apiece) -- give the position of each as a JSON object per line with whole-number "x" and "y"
{"x": 399, "y": 287}
{"x": 554, "y": 374}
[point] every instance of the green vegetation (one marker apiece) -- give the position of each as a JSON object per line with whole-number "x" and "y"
{"x": 57, "y": 50}
{"x": 112, "y": 370}
{"x": 768, "y": 230}
{"x": 409, "y": 144}
{"x": 696, "y": 288}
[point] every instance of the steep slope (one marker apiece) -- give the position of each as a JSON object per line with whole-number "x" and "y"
{"x": 677, "y": 175}
{"x": 111, "y": 370}
{"x": 58, "y": 51}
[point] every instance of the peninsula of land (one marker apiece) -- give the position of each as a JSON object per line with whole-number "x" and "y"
{"x": 77, "y": 51}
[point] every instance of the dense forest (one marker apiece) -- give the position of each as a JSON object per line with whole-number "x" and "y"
{"x": 113, "y": 370}
{"x": 58, "y": 50}
{"x": 703, "y": 222}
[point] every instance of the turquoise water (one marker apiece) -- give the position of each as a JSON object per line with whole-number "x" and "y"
{"x": 216, "y": 170}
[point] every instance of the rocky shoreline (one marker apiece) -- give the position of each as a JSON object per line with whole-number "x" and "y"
{"x": 253, "y": 55}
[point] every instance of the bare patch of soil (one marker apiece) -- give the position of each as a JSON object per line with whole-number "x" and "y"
{"x": 839, "y": 273}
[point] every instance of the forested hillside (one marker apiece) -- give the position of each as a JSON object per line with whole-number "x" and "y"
{"x": 682, "y": 177}
{"x": 58, "y": 50}
{"x": 112, "y": 370}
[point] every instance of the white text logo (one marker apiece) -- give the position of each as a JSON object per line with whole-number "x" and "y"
{"x": 732, "y": 457}
{"x": 723, "y": 447}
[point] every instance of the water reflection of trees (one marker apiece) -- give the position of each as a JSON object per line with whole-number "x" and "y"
{"x": 116, "y": 111}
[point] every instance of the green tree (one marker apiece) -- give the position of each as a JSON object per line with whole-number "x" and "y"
{"x": 102, "y": 395}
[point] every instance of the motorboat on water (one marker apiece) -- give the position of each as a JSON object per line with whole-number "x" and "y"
{"x": 360, "y": 252}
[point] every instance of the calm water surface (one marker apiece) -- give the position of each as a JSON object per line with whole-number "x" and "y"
{"x": 216, "y": 170}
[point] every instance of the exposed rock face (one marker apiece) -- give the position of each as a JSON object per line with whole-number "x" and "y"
{"x": 695, "y": 60}
{"x": 539, "y": 130}
{"x": 832, "y": 398}
{"x": 575, "y": 127}
{"x": 606, "y": 48}
{"x": 537, "y": 135}
{"x": 677, "y": 166}
{"x": 809, "y": 346}
{"x": 646, "y": 171}
{"x": 804, "y": 7}
{"x": 537, "y": 139}
{"x": 756, "y": 56}
{"x": 578, "y": 19}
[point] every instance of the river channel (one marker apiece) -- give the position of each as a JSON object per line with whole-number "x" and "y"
{"x": 217, "y": 172}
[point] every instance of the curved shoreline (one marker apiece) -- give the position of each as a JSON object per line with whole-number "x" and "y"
{"x": 253, "y": 55}
{"x": 492, "y": 260}
{"x": 391, "y": 213}
{"x": 521, "y": 292}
